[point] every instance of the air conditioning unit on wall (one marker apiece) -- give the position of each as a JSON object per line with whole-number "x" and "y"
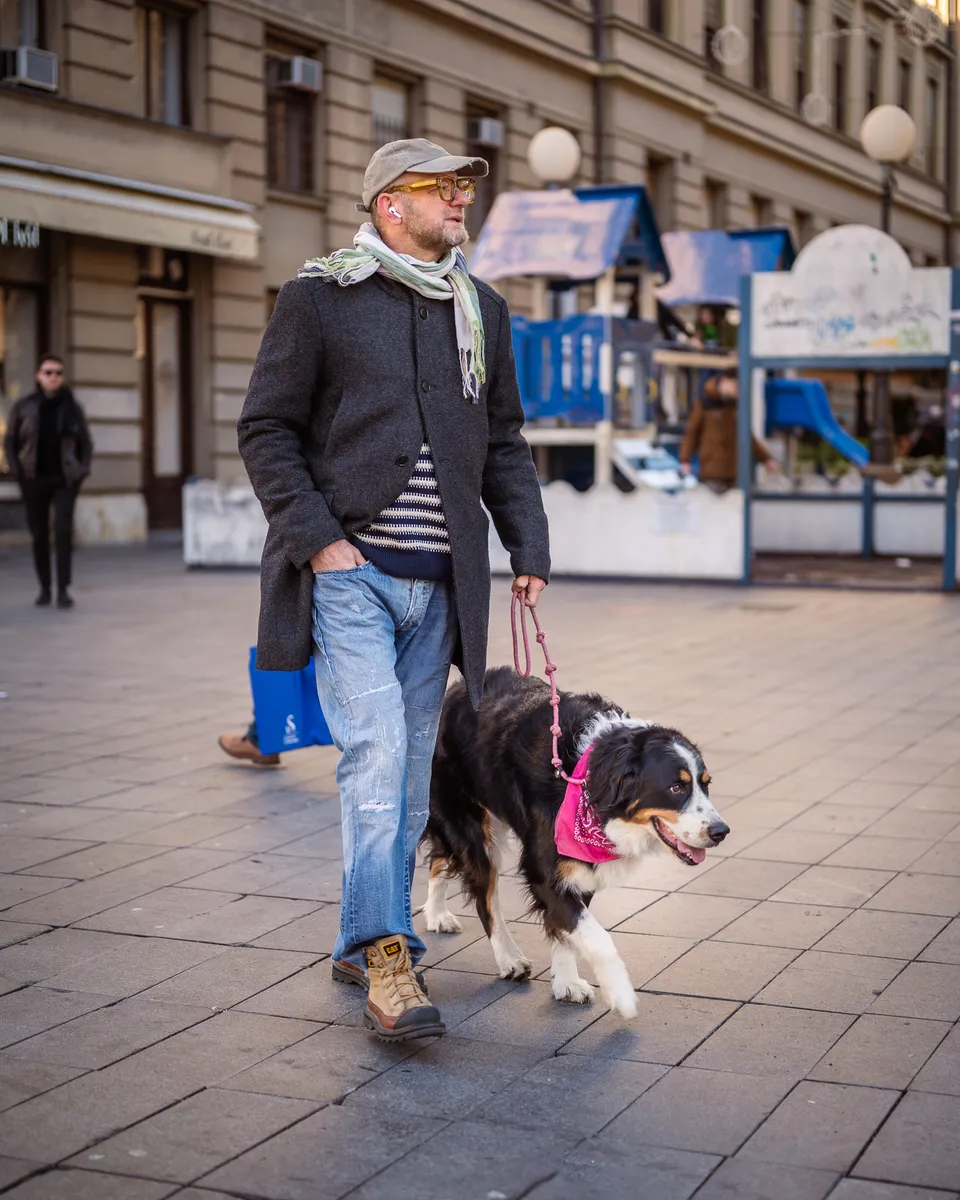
{"x": 486, "y": 131}
{"x": 29, "y": 66}
{"x": 304, "y": 74}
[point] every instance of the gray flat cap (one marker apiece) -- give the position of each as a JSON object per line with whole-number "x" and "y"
{"x": 413, "y": 154}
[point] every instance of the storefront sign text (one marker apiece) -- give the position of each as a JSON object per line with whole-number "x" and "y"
{"x": 23, "y": 234}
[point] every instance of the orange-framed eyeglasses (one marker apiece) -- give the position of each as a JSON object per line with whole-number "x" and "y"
{"x": 446, "y": 185}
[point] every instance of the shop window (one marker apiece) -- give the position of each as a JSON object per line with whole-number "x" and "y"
{"x": 390, "y": 109}
{"x": 163, "y": 62}
{"x": 291, "y": 123}
{"x": 19, "y": 347}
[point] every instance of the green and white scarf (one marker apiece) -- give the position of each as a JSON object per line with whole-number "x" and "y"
{"x": 444, "y": 280}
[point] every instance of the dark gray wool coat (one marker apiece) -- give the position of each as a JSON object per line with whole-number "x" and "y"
{"x": 347, "y": 383}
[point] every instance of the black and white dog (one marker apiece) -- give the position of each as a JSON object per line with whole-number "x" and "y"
{"x": 647, "y": 792}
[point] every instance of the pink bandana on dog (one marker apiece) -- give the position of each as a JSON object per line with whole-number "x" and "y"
{"x": 578, "y": 832}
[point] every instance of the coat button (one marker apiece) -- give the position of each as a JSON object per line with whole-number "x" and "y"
{"x": 425, "y": 387}
{"x": 423, "y": 314}
{"x": 402, "y": 460}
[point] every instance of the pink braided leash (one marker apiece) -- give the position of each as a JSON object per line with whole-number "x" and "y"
{"x": 550, "y": 670}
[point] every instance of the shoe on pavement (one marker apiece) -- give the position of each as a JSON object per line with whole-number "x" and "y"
{"x": 348, "y": 972}
{"x": 43, "y": 600}
{"x": 238, "y": 746}
{"x": 397, "y": 1010}
{"x": 64, "y": 599}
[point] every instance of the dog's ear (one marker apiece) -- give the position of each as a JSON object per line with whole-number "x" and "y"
{"x": 616, "y": 768}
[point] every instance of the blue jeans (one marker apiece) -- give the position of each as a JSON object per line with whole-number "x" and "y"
{"x": 382, "y": 656}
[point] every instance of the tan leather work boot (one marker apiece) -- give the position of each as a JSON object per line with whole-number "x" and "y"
{"x": 397, "y": 1010}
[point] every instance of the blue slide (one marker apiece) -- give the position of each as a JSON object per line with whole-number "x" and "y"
{"x": 803, "y": 404}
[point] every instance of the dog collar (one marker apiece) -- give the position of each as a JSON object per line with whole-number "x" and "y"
{"x": 578, "y": 832}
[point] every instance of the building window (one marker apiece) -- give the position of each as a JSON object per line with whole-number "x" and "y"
{"x": 758, "y": 45}
{"x": 932, "y": 128}
{"x": 715, "y": 196}
{"x": 389, "y": 110}
{"x": 761, "y": 212}
{"x": 801, "y": 51}
{"x": 291, "y": 118}
{"x": 485, "y": 137}
{"x": 657, "y": 16}
{"x": 712, "y": 24}
{"x": 874, "y": 64}
{"x": 841, "y": 49}
{"x": 803, "y": 226}
{"x": 162, "y": 49}
{"x": 659, "y": 190}
{"x": 22, "y": 23}
{"x": 905, "y": 84}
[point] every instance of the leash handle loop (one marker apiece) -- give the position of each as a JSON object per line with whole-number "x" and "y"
{"x": 550, "y": 670}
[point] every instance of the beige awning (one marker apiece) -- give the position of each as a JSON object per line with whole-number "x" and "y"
{"x": 126, "y": 210}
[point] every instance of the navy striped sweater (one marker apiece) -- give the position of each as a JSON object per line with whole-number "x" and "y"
{"x": 409, "y": 539}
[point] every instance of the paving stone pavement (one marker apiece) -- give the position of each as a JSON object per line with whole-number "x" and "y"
{"x": 168, "y": 1025}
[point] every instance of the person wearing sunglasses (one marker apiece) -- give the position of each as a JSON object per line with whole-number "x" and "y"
{"x": 49, "y": 450}
{"x": 382, "y": 419}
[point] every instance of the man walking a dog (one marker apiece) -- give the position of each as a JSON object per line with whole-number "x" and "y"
{"x": 383, "y": 414}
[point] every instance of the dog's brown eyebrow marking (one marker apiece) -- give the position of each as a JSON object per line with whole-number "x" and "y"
{"x": 685, "y": 776}
{"x": 705, "y": 778}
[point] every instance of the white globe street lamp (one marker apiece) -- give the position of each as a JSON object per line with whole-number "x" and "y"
{"x": 888, "y": 135}
{"x": 554, "y": 155}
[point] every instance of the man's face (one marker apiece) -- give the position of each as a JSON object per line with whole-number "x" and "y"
{"x": 432, "y": 223}
{"x": 50, "y": 376}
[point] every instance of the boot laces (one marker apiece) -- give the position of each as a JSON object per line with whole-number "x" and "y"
{"x": 402, "y": 987}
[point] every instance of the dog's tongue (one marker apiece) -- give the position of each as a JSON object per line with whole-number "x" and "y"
{"x": 696, "y": 854}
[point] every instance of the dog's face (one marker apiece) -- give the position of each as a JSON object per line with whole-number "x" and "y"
{"x": 650, "y": 788}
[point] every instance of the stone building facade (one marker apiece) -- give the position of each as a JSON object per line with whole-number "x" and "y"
{"x": 193, "y": 152}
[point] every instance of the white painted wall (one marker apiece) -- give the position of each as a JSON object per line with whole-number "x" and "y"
{"x": 112, "y": 518}
{"x": 640, "y": 535}
{"x": 222, "y": 526}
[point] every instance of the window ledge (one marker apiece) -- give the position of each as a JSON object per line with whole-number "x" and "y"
{"x": 303, "y": 199}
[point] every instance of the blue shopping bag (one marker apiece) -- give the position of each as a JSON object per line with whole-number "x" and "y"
{"x": 286, "y": 709}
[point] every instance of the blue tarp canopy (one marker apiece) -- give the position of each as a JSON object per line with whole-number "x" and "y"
{"x": 706, "y": 266}
{"x": 564, "y": 234}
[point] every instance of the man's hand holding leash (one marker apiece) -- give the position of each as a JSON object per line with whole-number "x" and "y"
{"x": 528, "y": 587}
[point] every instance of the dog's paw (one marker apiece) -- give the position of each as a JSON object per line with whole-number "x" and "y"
{"x": 519, "y": 969}
{"x": 444, "y": 922}
{"x": 624, "y": 1003}
{"x": 572, "y": 991}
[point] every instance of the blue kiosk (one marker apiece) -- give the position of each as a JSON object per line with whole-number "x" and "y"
{"x": 852, "y": 301}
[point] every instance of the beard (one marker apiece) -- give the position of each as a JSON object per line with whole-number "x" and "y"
{"x": 436, "y": 235}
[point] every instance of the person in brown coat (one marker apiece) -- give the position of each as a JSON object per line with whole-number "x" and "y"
{"x": 712, "y": 434}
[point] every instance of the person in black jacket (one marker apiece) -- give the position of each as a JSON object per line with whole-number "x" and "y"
{"x": 49, "y": 449}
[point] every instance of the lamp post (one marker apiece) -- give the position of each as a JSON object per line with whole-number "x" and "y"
{"x": 888, "y": 136}
{"x": 554, "y": 157}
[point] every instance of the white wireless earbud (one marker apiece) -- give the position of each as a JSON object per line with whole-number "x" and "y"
{"x": 393, "y": 212}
